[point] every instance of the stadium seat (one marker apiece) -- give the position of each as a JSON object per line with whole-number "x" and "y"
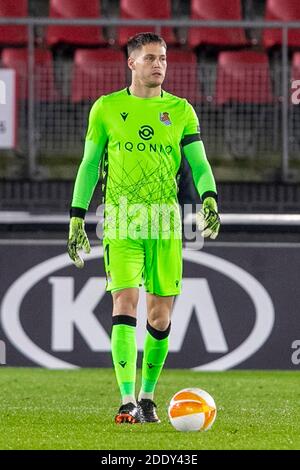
{"x": 277, "y": 10}
{"x": 146, "y": 9}
{"x": 182, "y": 75}
{"x": 216, "y": 10}
{"x": 245, "y": 101}
{"x": 74, "y": 35}
{"x": 243, "y": 77}
{"x": 97, "y": 72}
{"x": 13, "y": 35}
{"x": 17, "y": 59}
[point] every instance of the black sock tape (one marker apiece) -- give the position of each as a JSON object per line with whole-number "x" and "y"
{"x": 157, "y": 334}
{"x": 123, "y": 320}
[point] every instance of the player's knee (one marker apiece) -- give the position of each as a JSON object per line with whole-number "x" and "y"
{"x": 125, "y": 307}
{"x": 159, "y": 319}
{"x": 125, "y": 304}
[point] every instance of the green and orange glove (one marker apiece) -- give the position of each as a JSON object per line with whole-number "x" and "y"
{"x": 208, "y": 219}
{"x": 77, "y": 240}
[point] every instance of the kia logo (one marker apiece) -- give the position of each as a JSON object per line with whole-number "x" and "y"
{"x": 196, "y": 303}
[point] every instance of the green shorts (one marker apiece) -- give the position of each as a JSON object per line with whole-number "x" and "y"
{"x": 158, "y": 263}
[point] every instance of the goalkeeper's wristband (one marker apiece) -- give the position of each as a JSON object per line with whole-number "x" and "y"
{"x": 77, "y": 212}
{"x": 209, "y": 194}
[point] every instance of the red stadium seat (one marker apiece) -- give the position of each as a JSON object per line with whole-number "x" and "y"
{"x": 277, "y": 10}
{"x": 77, "y": 35}
{"x": 44, "y": 90}
{"x": 96, "y": 73}
{"x": 243, "y": 77}
{"x": 13, "y": 35}
{"x": 146, "y": 9}
{"x": 182, "y": 75}
{"x": 216, "y": 10}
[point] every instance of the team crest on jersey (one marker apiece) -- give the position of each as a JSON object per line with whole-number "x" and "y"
{"x": 165, "y": 119}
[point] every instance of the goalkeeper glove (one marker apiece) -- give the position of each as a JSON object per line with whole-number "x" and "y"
{"x": 208, "y": 219}
{"x": 77, "y": 239}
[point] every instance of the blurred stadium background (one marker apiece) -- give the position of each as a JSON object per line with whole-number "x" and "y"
{"x": 237, "y": 77}
{"x": 236, "y": 62}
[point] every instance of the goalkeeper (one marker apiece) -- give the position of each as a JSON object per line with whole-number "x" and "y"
{"x": 139, "y": 132}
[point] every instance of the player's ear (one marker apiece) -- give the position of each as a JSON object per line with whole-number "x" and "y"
{"x": 131, "y": 63}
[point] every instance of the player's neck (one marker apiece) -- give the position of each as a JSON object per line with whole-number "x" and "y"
{"x": 144, "y": 92}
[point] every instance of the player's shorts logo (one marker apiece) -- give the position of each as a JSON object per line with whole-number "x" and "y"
{"x": 146, "y": 132}
{"x": 165, "y": 119}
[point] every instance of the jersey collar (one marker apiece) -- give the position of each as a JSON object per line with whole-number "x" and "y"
{"x": 128, "y": 92}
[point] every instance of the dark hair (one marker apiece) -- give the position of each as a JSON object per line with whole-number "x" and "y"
{"x": 141, "y": 39}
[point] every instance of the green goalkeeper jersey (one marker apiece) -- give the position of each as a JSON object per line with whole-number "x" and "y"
{"x": 142, "y": 139}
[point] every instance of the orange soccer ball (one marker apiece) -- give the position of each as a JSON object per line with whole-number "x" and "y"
{"x": 192, "y": 409}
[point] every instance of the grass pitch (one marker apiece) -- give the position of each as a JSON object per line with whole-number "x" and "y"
{"x": 43, "y": 409}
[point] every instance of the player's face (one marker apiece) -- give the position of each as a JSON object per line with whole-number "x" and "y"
{"x": 149, "y": 64}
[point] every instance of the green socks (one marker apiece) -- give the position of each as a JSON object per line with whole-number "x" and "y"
{"x": 155, "y": 352}
{"x": 124, "y": 354}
